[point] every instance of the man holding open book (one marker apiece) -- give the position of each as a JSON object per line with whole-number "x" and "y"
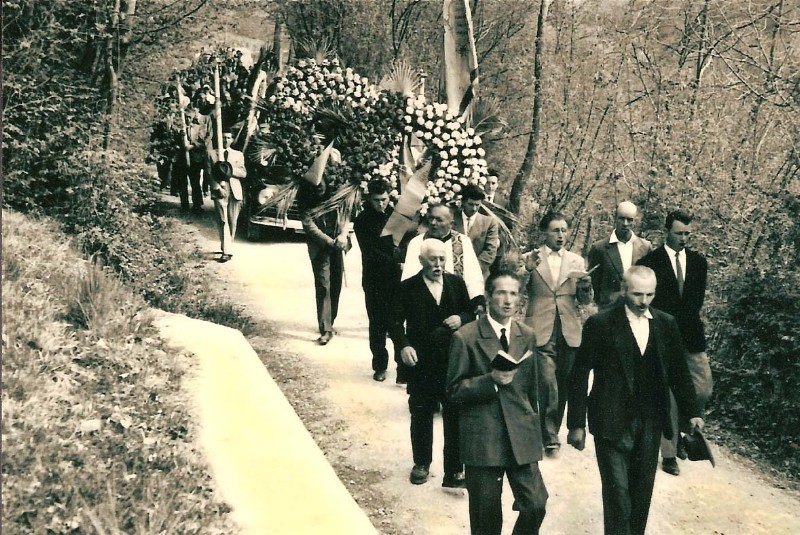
{"x": 492, "y": 377}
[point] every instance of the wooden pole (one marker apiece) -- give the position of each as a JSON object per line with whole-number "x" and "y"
{"x": 185, "y": 136}
{"x": 218, "y": 110}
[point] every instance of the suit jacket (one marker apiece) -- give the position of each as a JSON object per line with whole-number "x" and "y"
{"x": 607, "y": 278}
{"x": 686, "y": 308}
{"x": 485, "y": 236}
{"x": 320, "y": 233}
{"x": 236, "y": 159}
{"x": 609, "y": 350}
{"x": 547, "y": 297}
{"x": 423, "y": 318}
{"x": 497, "y": 426}
{"x": 381, "y": 267}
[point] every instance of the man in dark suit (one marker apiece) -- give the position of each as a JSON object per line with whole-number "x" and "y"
{"x": 500, "y": 432}
{"x": 482, "y": 229}
{"x": 615, "y": 254}
{"x": 433, "y": 304}
{"x": 681, "y": 275}
{"x": 636, "y": 355}
{"x": 326, "y": 249}
{"x": 380, "y": 276}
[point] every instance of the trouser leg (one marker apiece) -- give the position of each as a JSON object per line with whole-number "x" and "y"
{"x": 163, "y": 168}
{"x": 234, "y": 207}
{"x": 336, "y": 276}
{"x": 485, "y": 489}
{"x": 613, "y": 465}
{"x": 452, "y": 452}
{"x": 700, "y": 371}
{"x": 181, "y": 181}
{"x": 530, "y": 497}
{"x": 321, "y": 266}
{"x": 221, "y": 217}
{"x": 548, "y": 392}
{"x": 643, "y": 464}
{"x": 194, "y": 180}
{"x": 565, "y": 359}
{"x": 378, "y": 315}
{"x": 421, "y": 405}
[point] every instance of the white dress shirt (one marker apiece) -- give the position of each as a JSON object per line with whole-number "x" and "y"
{"x": 554, "y": 259}
{"x": 436, "y": 287}
{"x": 640, "y": 325}
{"x": 496, "y": 326}
{"x": 625, "y": 249}
{"x": 671, "y": 255}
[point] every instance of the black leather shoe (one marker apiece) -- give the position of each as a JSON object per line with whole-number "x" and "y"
{"x": 419, "y": 474}
{"x": 682, "y": 450}
{"x": 552, "y": 451}
{"x": 325, "y": 338}
{"x": 670, "y": 466}
{"x": 379, "y": 376}
{"x": 454, "y": 481}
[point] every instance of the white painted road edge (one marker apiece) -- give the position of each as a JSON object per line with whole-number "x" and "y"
{"x": 265, "y": 463}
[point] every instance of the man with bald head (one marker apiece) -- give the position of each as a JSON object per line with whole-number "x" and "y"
{"x": 432, "y": 305}
{"x": 636, "y": 355}
{"x": 612, "y": 256}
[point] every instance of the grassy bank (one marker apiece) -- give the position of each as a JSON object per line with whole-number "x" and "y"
{"x": 96, "y": 435}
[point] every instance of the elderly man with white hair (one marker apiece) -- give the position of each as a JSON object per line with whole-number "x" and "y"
{"x": 460, "y": 257}
{"x": 432, "y": 305}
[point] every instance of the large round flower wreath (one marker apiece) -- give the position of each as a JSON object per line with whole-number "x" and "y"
{"x": 319, "y": 102}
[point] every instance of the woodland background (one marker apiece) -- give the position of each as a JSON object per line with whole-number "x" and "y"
{"x": 686, "y": 103}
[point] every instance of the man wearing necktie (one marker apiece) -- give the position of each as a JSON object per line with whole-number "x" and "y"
{"x": 500, "y": 432}
{"x": 637, "y": 358}
{"x": 432, "y": 305}
{"x": 552, "y": 312}
{"x": 227, "y": 194}
{"x": 681, "y": 274}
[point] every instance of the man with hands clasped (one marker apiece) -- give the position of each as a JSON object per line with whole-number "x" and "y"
{"x": 499, "y": 433}
{"x": 432, "y": 304}
{"x": 637, "y": 356}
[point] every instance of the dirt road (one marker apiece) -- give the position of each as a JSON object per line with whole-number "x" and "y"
{"x": 274, "y": 282}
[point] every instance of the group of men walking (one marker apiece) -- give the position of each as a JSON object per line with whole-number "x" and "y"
{"x": 502, "y": 385}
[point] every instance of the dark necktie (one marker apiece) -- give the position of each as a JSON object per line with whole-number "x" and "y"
{"x": 503, "y": 339}
{"x": 679, "y": 269}
{"x": 226, "y": 155}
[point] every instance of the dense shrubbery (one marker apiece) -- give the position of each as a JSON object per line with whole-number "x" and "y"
{"x": 95, "y": 436}
{"x": 757, "y": 362}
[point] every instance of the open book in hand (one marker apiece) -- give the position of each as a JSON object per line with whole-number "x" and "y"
{"x": 505, "y": 362}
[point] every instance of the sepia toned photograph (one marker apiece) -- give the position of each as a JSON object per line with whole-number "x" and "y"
{"x": 400, "y": 267}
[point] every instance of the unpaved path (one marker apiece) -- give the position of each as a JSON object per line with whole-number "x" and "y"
{"x": 274, "y": 283}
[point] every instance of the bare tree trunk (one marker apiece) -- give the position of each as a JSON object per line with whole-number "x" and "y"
{"x": 277, "y": 49}
{"x": 111, "y": 71}
{"x": 526, "y": 169}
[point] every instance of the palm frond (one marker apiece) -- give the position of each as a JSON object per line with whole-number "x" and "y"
{"x": 345, "y": 202}
{"x": 332, "y": 121}
{"x": 505, "y": 220}
{"x": 283, "y": 200}
{"x": 486, "y": 119}
{"x": 402, "y": 78}
{"x": 318, "y": 49}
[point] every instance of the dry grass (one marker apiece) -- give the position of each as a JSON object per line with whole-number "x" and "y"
{"x": 96, "y": 437}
